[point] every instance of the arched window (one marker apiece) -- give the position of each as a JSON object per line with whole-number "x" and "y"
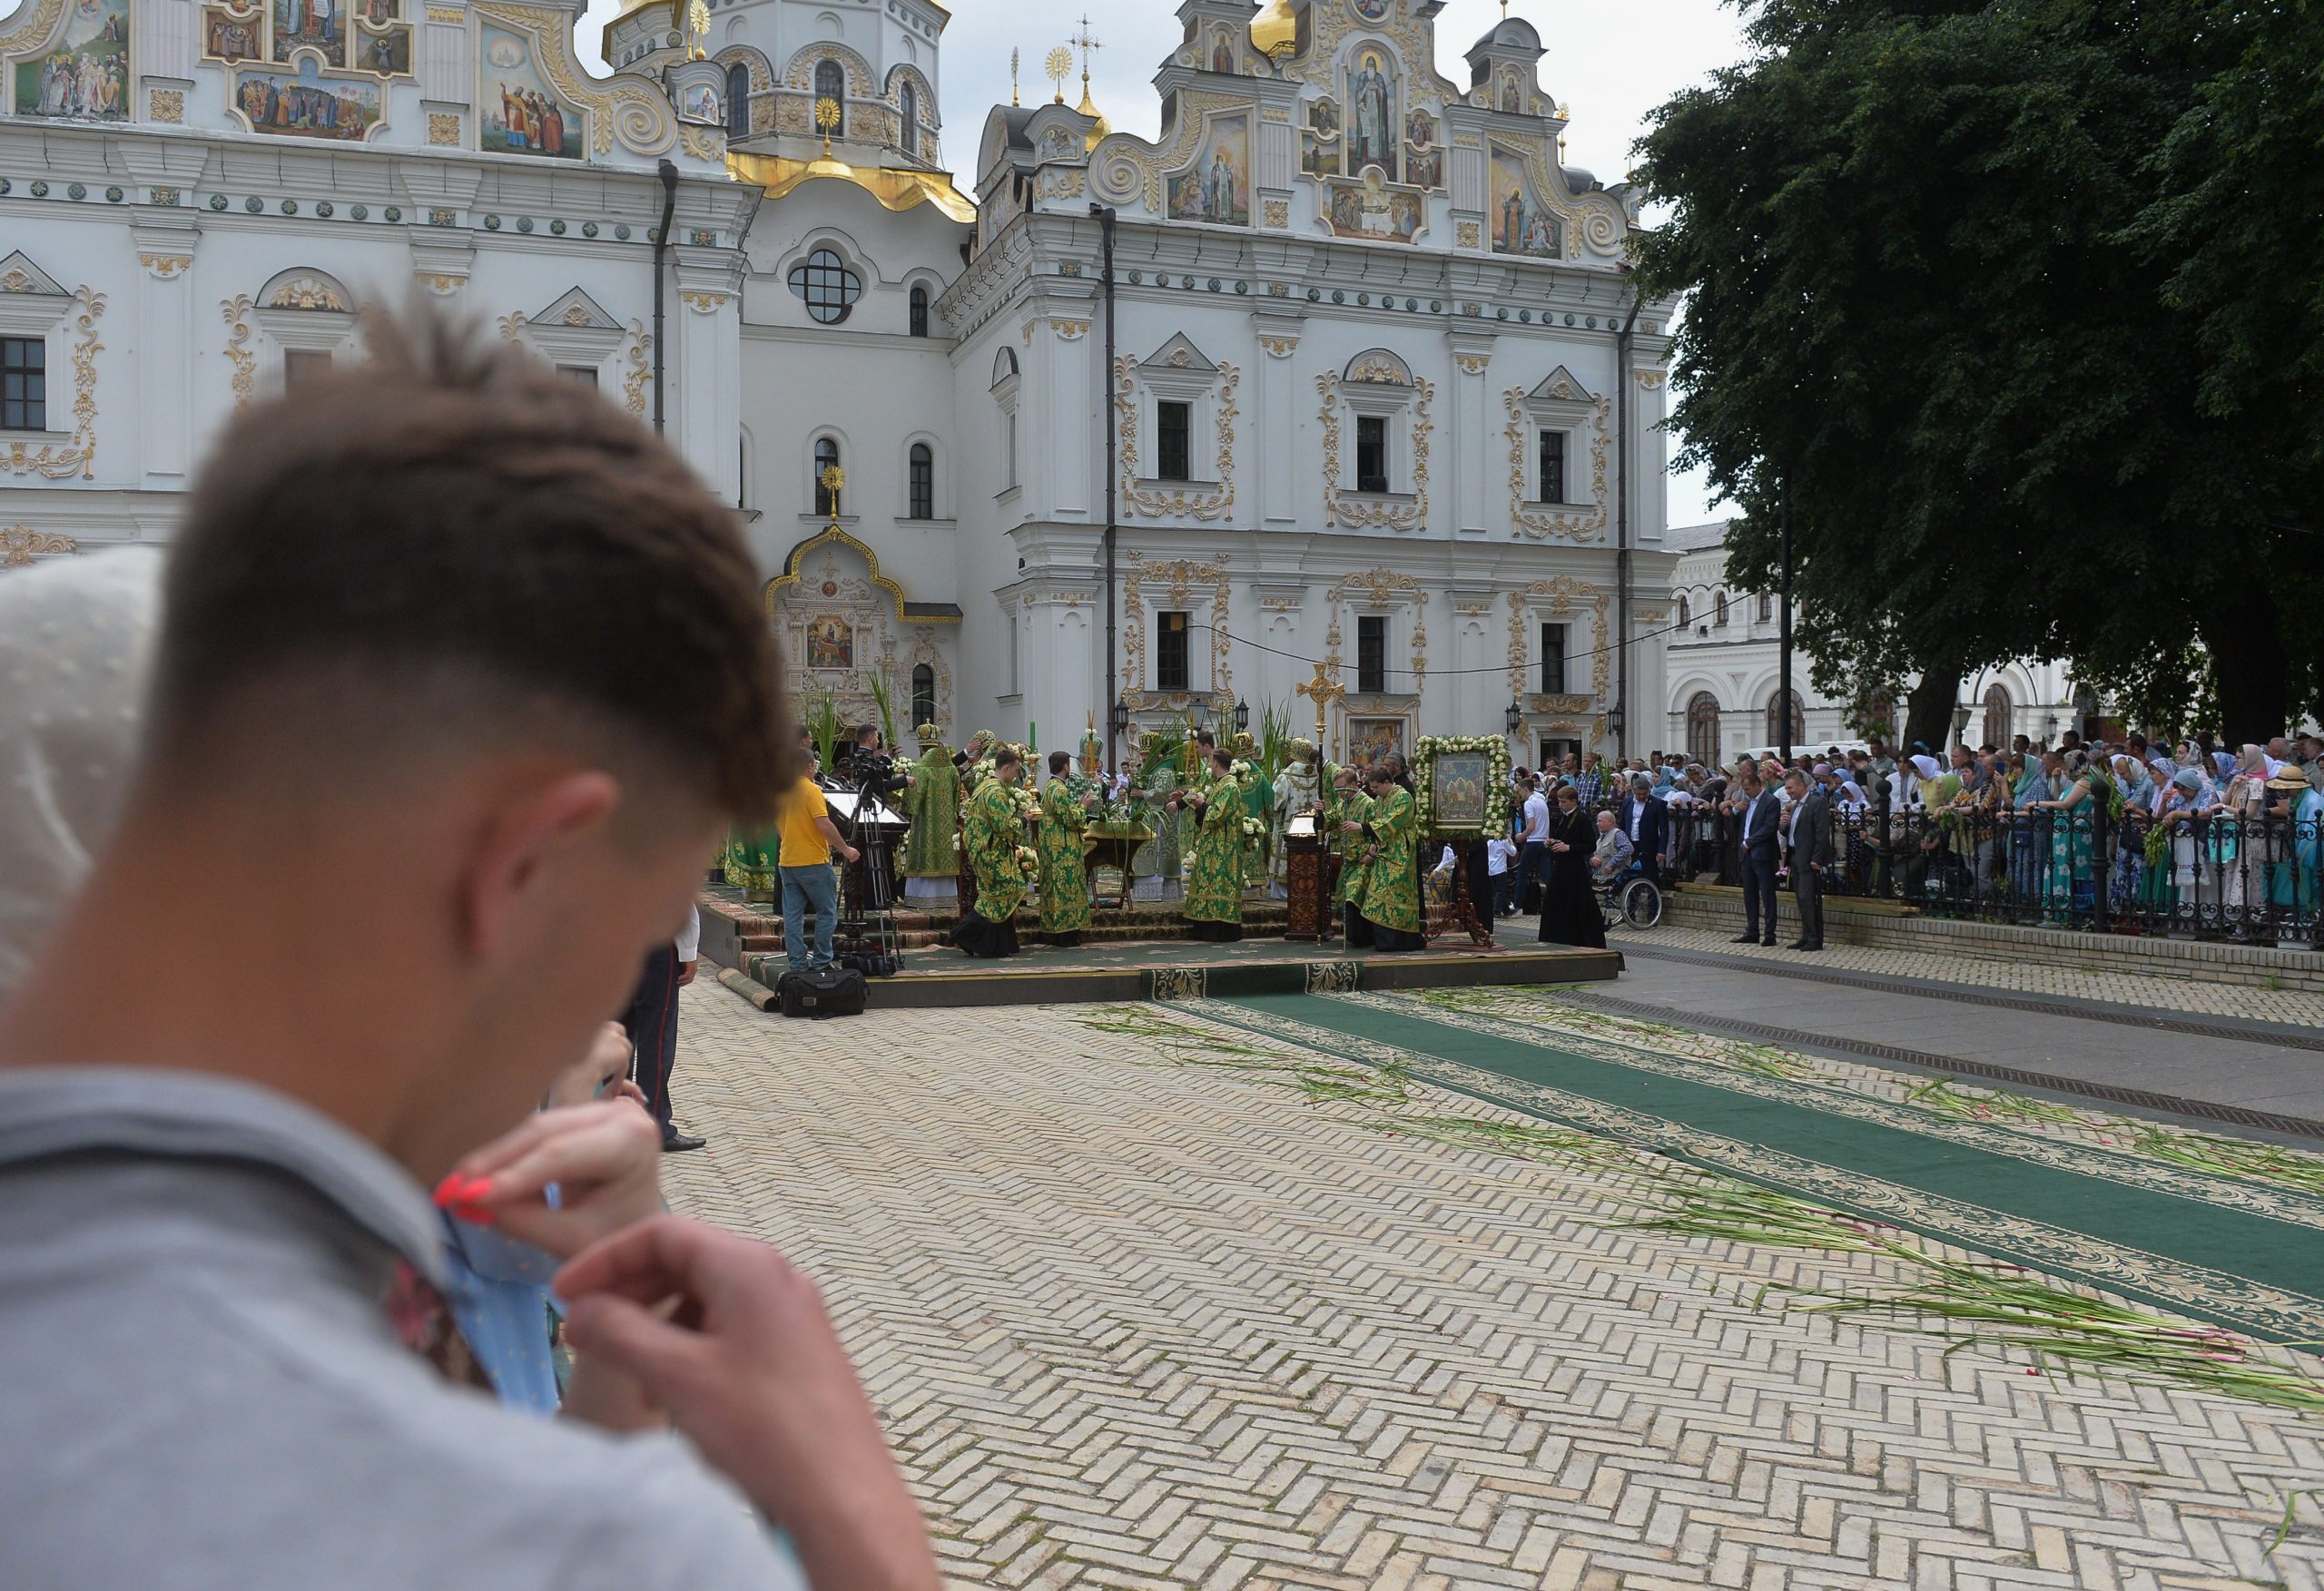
{"x": 828, "y": 286}
{"x": 1766, "y": 607}
{"x": 923, "y": 694}
{"x": 1686, "y": 614}
{"x": 826, "y": 457}
{"x": 1718, "y": 610}
{"x": 1702, "y": 729}
{"x": 1999, "y": 726}
{"x": 919, "y": 310}
{"x": 922, "y": 483}
{"x": 738, "y": 101}
{"x": 1775, "y": 737}
{"x": 831, "y": 84}
{"x": 911, "y": 118}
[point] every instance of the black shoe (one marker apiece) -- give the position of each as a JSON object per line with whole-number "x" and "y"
{"x": 1819, "y": 945}
{"x": 1768, "y": 944}
{"x": 676, "y": 1142}
{"x": 1799, "y": 945}
{"x": 1745, "y": 940}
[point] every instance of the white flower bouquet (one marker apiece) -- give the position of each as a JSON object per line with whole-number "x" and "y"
{"x": 1029, "y": 861}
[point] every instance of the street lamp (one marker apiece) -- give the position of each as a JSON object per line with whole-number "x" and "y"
{"x": 1614, "y": 720}
{"x": 1242, "y": 717}
{"x": 1514, "y": 717}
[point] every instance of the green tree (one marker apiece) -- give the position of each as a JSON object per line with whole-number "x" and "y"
{"x": 1923, "y": 320}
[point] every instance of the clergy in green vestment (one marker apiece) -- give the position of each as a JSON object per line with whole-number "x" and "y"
{"x": 1391, "y": 883}
{"x": 1214, "y": 882}
{"x": 1065, "y": 876}
{"x": 1345, "y": 814}
{"x": 933, "y": 801}
{"x": 993, "y": 834}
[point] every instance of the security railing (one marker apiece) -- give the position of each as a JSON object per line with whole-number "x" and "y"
{"x": 2244, "y": 879}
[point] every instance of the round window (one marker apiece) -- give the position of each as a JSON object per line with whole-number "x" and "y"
{"x": 828, "y": 286}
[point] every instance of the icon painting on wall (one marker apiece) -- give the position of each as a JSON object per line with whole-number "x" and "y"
{"x": 1222, "y": 51}
{"x": 1372, "y": 209}
{"x": 1217, "y": 186}
{"x": 522, "y": 111}
{"x": 230, "y": 37}
{"x": 1372, "y": 740}
{"x": 698, "y": 101}
{"x": 831, "y": 643}
{"x": 311, "y": 24}
{"x": 1372, "y": 116}
{"x": 388, "y": 54}
{"x": 1519, "y": 225}
{"x": 85, "y": 73}
{"x": 1370, "y": 10}
{"x": 308, "y": 104}
{"x": 1319, "y": 140}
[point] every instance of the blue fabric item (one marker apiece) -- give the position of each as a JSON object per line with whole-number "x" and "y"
{"x": 497, "y": 1290}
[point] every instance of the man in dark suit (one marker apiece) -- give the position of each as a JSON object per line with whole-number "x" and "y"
{"x": 1810, "y": 850}
{"x": 1759, "y": 844}
{"x": 1647, "y": 821}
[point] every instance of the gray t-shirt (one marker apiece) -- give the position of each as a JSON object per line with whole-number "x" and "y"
{"x": 203, "y": 1391}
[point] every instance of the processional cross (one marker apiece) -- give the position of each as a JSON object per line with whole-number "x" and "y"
{"x": 1324, "y": 690}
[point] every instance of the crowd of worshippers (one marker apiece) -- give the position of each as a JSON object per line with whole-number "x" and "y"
{"x": 2157, "y": 827}
{"x": 333, "y": 1244}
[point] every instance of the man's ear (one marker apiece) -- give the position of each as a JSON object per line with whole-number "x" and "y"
{"x": 505, "y": 864}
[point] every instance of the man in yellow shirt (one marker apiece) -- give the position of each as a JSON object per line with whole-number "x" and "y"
{"x": 809, "y": 838}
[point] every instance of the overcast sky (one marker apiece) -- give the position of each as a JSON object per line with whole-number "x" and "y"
{"x": 1610, "y": 64}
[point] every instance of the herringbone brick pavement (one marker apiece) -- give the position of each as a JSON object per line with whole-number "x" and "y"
{"x": 1135, "y": 1323}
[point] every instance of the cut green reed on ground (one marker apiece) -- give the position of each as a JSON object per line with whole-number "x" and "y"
{"x": 2000, "y": 1308}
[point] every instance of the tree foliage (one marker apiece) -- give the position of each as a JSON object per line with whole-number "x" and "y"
{"x": 1942, "y": 312}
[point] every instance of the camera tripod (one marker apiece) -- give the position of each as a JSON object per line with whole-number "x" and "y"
{"x": 867, "y": 940}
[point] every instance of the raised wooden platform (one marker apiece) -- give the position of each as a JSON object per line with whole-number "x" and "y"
{"x": 1135, "y": 964}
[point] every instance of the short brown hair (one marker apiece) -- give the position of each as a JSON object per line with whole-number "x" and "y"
{"x": 458, "y": 521}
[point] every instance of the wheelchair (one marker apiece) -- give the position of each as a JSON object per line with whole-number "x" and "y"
{"x": 1631, "y": 899}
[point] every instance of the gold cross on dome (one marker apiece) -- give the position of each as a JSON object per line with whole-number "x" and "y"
{"x": 827, "y": 118}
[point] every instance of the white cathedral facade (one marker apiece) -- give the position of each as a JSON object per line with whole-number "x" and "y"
{"x": 1368, "y": 402}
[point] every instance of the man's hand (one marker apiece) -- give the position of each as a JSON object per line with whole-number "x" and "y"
{"x": 685, "y": 973}
{"x": 729, "y": 1339}
{"x": 605, "y": 1157}
{"x": 849, "y": 853}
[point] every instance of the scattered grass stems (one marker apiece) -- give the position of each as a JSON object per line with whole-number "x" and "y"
{"x": 1942, "y": 1096}
{"x": 2230, "y": 1157}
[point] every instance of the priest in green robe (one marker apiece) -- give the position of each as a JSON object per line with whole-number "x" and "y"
{"x": 1392, "y": 882}
{"x": 932, "y": 802}
{"x": 993, "y": 834}
{"x": 1065, "y": 877}
{"x": 1345, "y": 814}
{"x": 1216, "y": 810}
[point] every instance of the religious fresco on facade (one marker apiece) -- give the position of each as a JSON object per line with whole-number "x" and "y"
{"x": 1223, "y": 56}
{"x": 230, "y": 35}
{"x": 1519, "y": 225}
{"x": 307, "y": 105}
{"x": 1217, "y": 186}
{"x": 1511, "y": 95}
{"x": 1372, "y": 209}
{"x": 1371, "y": 125}
{"x": 698, "y": 101}
{"x": 1372, "y": 740}
{"x": 831, "y": 643}
{"x": 1319, "y": 140}
{"x": 379, "y": 13}
{"x": 311, "y": 24}
{"x": 86, "y": 73}
{"x": 522, "y": 113}
{"x": 1424, "y": 151}
{"x": 1370, "y": 10}
{"x": 388, "y": 54}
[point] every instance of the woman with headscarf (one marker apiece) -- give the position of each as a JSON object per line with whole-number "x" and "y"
{"x": 2239, "y": 846}
{"x": 2069, "y": 882}
{"x": 2296, "y": 889}
{"x": 2184, "y": 804}
{"x": 2128, "y": 891}
{"x": 1919, "y": 770}
{"x": 1570, "y": 914}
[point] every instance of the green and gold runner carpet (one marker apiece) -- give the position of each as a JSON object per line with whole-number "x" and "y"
{"x": 2064, "y": 1198}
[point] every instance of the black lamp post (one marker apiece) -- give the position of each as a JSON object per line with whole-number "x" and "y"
{"x": 1614, "y": 720}
{"x": 1514, "y": 717}
{"x": 1242, "y": 717}
{"x": 1117, "y": 718}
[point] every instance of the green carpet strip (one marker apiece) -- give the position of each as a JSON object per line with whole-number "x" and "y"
{"x": 2072, "y": 1214}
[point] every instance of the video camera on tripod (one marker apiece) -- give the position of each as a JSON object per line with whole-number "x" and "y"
{"x": 866, "y": 940}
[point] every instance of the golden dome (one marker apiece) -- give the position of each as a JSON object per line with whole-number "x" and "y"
{"x": 1088, "y": 107}
{"x": 1274, "y": 28}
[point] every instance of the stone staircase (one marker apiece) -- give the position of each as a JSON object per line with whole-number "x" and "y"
{"x": 758, "y": 928}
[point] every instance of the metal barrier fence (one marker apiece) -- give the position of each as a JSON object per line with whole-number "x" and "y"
{"x": 2246, "y": 880}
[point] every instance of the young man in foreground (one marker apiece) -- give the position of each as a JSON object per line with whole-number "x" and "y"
{"x": 461, "y": 676}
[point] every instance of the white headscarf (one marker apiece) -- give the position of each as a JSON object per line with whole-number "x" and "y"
{"x": 76, "y": 642}
{"x": 1925, "y": 767}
